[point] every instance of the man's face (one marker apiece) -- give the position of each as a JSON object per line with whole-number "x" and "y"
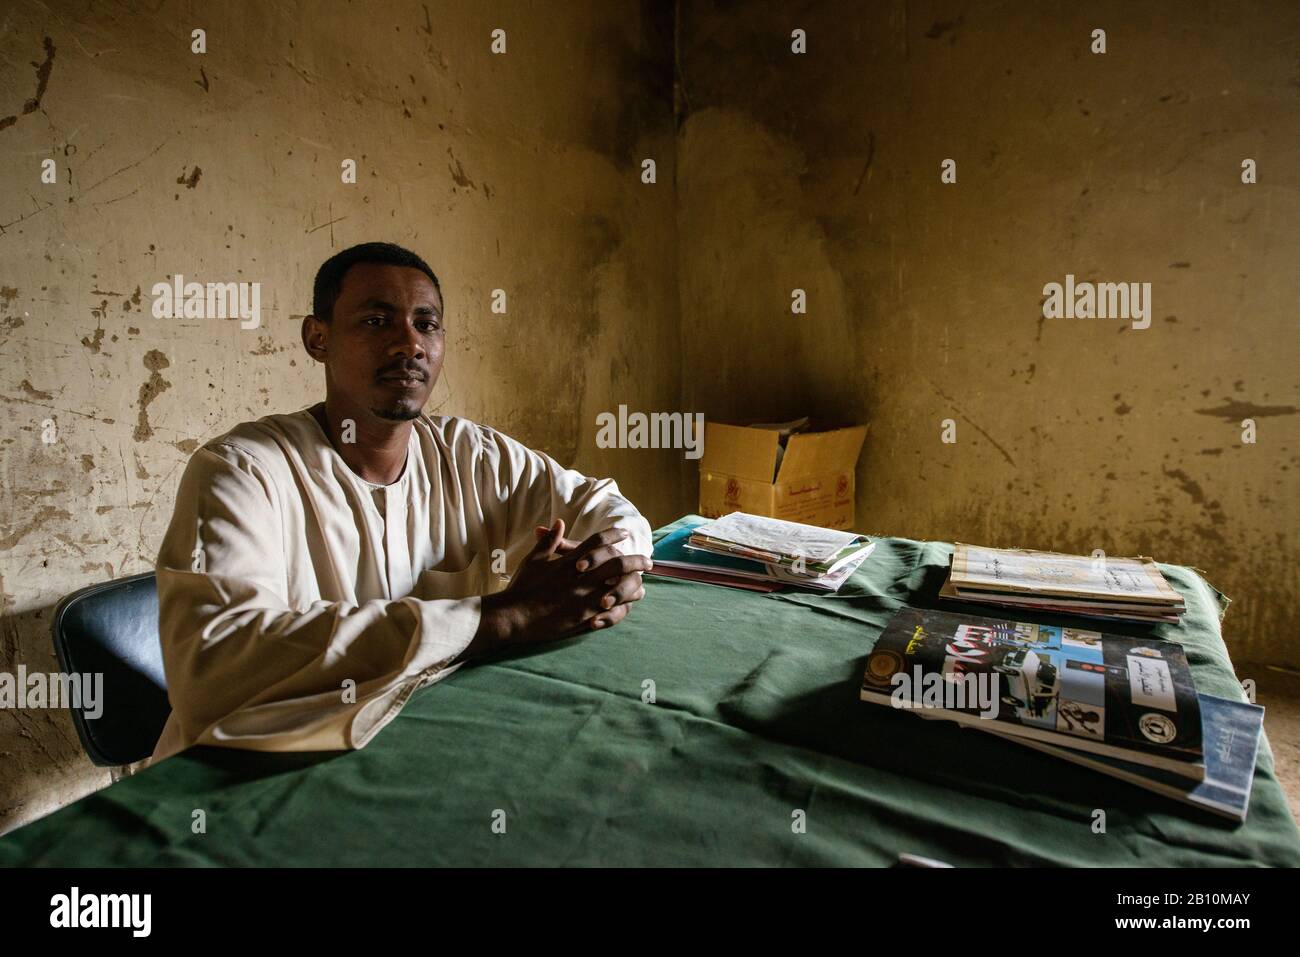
{"x": 383, "y": 346}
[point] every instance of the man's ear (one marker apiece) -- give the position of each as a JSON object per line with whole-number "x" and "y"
{"x": 315, "y": 337}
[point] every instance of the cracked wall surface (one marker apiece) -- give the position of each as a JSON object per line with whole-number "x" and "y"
{"x": 518, "y": 172}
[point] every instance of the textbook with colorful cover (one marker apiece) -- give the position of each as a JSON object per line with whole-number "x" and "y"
{"x": 1126, "y": 698}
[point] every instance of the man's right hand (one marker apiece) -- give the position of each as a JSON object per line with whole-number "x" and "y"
{"x": 562, "y": 589}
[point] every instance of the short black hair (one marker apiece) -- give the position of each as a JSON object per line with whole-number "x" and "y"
{"x": 329, "y": 278}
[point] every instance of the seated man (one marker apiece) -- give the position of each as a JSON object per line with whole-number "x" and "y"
{"x": 321, "y": 566}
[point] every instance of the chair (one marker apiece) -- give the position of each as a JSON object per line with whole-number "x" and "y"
{"x": 112, "y": 629}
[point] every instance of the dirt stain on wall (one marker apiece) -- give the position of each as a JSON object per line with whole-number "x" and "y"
{"x": 42, "y": 81}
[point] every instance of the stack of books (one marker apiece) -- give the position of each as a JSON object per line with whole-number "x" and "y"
{"x": 1126, "y": 707}
{"x": 761, "y": 554}
{"x": 1127, "y": 589}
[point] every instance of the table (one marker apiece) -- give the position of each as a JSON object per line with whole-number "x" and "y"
{"x": 711, "y": 727}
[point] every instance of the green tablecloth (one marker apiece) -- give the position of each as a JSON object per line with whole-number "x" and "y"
{"x": 755, "y": 718}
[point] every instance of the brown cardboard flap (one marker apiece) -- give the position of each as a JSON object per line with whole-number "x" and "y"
{"x": 735, "y": 450}
{"x": 816, "y": 453}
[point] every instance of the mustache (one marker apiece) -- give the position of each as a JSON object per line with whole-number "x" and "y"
{"x": 404, "y": 369}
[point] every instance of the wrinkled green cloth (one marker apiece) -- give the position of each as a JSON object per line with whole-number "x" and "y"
{"x": 711, "y": 727}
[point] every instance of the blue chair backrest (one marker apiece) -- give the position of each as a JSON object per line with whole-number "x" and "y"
{"x": 112, "y": 629}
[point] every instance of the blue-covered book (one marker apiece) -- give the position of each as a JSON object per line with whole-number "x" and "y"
{"x": 1230, "y": 732}
{"x": 671, "y": 551}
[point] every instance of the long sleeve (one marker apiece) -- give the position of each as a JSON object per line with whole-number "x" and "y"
{"x": 536, "y": 490}
{"x": 244, "y": 668}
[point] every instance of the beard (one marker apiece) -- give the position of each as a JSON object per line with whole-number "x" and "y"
{"x": 403, "y": 410}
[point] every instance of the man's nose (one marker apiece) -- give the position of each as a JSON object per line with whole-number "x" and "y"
{"x": 407, "y": 341}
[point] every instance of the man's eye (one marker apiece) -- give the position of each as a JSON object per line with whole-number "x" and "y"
{"x": 376, "y": 318}
{"x": 431, "y": 325}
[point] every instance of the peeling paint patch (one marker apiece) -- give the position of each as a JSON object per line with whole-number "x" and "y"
{"x": 87, "y": 463}
{"x": 266, "y": 347}
{"x": 93, "y": 343}
{"x": 155, "y": 386}
{"x": 67, "y": 540}
{"x": 98, "y": 313}
{"x": 190, "y": 180}
{"x": 47, "y": 513}
{"x": 186, "y": 445}
{"x": 32, "y": 391}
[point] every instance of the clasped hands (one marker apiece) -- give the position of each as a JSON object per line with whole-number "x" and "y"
{"x": 563, "y": 588}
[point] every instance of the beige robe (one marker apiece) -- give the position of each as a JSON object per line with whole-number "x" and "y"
{"x": 300, "y": 606}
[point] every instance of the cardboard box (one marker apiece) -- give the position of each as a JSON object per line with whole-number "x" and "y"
{"x": 813, "y": 484}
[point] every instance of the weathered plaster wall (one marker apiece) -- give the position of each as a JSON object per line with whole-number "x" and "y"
{"x": 821, "y": 172}
{"x": 518, "y": 172}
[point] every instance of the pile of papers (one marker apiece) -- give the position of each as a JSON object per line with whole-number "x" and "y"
{"x": 1127, "y": 589}
{"x": 762, "y": 554}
